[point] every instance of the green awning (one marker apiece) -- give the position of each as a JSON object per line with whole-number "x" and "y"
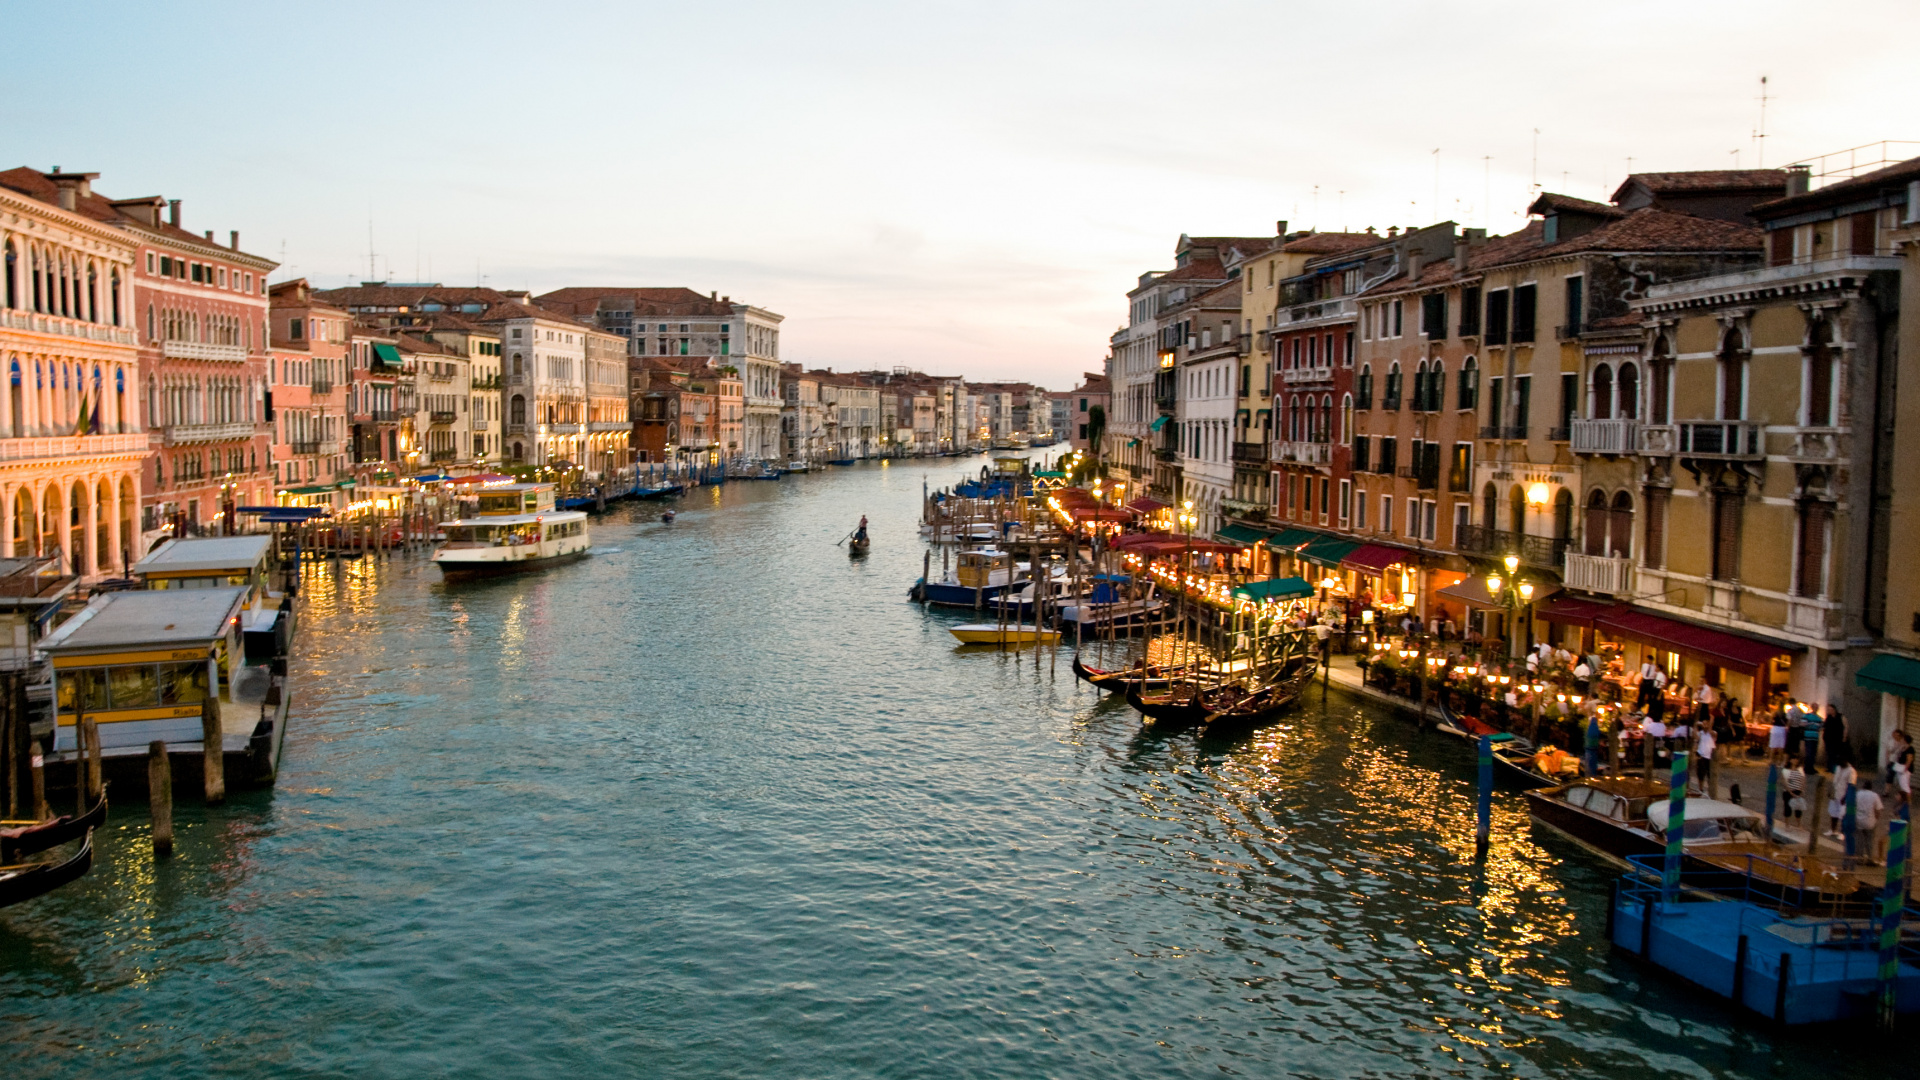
{"x": 1158, "y": 423}
{"x": 1328, "y": 550}
{"x": 1293, "y": 538}
{"x": 1131, "y": 443}
{"x": 1273, "y": 589}
{"x": 1241, "y": 534}
{"x": 386, "y": 354}
{"x": 1891, "y": 674}
{"x": 321, "y": 489}
{"x": 1051, "y": 475}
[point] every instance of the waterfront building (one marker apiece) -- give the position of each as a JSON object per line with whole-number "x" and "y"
{"x": 70, "y": 473}
{"x": 850, "y": 414}
{"x": 1088, "y": 406}
{"x": 308, "y": 380}
{"x": 379, "y": 402}
{"x": 1758, "y": 546}
{"x": 802, "y": 421}
{"x": 442, "y": 403}
{"x": 676, "y": 409}
{"x": 1200, "y": 337}
{"x": 1060, "y": 412}
{"x": 544, "y": 371}
{"x": 481, "y": 347}
{"x": 681, "y": 322}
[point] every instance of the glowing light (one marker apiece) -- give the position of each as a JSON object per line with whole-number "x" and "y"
{"x": 1538, "y": 494}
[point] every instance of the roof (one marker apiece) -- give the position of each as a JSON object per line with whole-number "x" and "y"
{"x": 1860, "y": 187}
{"x": 1552, "y": 203}
{"x": 1331, "y": 243}
{"x": 581, "y": 302}
{"x": 410, "y": 296}
{"x": 1704, "y": 181}
{"x": 120, "y": 620}
{"x": 213, "y": 553}
{"x": 87, "y": 203}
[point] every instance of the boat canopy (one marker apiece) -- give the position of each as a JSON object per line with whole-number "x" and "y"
{"x": 1273, "y": 589}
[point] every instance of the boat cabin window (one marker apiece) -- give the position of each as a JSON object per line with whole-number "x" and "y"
{"x": 215, "y": 581}
{"x": 1577, "y": 796}
{"x": 1618, "y": 811}
{"x": 563, "y": 528}
{"x": 133, "y": 686}
{"x": 509, "y": 502}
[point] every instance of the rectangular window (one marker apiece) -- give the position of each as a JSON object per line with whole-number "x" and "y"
{"x": 1653, "y": 545}
{"x": 1362, "y": 453}
{"x": 1780, "y": 247}
{"x": 1569, "y": 401}
{"x": 293, "y": 329}
{"x": 1810, "y": 575}
{"x": 1386, "y": 513}
{"x": 1346, "y": 353}
{"x": 1497, "y": 301}
{"x": 1460, "y": 471}
{"x": 1433, "y": 315}
{"x": 1399, "y": 317}
{"x": 1576, "y": 305}
{"x": 1522, "y": 402}
{"x": 1389, "y": 454}
{"x": 1726, "y": 535}
{"x": 1360, "y": 510}
{"x": 1496, "y": 388}
{"x": 1459, "y": 525}
{"x": 1470, "y": 311}
{"x": 1293, "y": 486}
{"x": 1325, "y": 493}
{"x": 1469, "y": 387}
{"x": 1346, "y": 500}
{"x": 1525, "y": 301}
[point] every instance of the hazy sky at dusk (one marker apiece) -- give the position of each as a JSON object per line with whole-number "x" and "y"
{"x": 965, "y": 188}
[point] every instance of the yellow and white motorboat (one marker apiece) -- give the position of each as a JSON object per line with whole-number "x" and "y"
{"x": 1009, "y": 634}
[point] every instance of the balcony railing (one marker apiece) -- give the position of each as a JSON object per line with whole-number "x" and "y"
{"x": 200, "y": 350}
{"x": 1542, "y": 551}
{"x": 54, "y": 324}
{"x": 1306, "y": 375}
{"x": 440, "y": 416}
{"x": 302, "y": 449}
{"x": 70, "y": 446}
{"x": 1598, "y": 573}
{"x": 384, "y": 416}
{"x": 1306, "y": 453}
{"x": 322, "y": 387}
{"x": 1815, "y": 445}
{"x": 177, "y": 434}
{"x": 1658, "y": 438}
{"x": 1559, "y": 434}
{"x": 1605, "y": 436}
{"x": 1490, "y": 431}
{"x": 1252, "y": 452}
{"x": 439, "y": 456}
{"x": 1721, "y": 439}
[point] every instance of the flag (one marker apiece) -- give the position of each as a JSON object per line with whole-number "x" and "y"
{"x": 80, "y": 425}
{"x": 93, "y": 426}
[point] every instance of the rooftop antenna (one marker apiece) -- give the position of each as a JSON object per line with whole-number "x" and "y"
{"x": 1736, "y": 156}
{"x": 1343, "y": 210}
{"x": 1436, "y": 184}
{"x": 1486, "y": 211}
{"x": 1316, "y": 207}
{"x": 372, "y": 274}
{"x": 1535, "y": 185}
{"x": 1760, "y": 133}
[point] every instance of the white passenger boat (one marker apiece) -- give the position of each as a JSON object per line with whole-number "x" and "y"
{"x": 516, "y": 529}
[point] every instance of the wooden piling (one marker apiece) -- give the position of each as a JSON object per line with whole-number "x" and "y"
{"x": 10, "y": 731}
{"x": 96, "y": 784}
{"x": 213, "y": 758}
{"x": 160, "y": 797}
{"x": 37, "y": 765}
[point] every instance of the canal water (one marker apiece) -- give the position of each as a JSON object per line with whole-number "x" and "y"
{"x": 718, "y": 802}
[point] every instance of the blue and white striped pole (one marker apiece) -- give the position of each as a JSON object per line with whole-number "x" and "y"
{"x": 1483, "y": 833}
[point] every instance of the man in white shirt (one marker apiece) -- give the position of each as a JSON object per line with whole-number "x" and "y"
{"x": 1647, "y": 669}
{"x": 1653, "y": 742}
{"x": 1703, "y": 763}
{"x": 1843, "y": 777}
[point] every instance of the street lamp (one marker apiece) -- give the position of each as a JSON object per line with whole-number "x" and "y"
{"x": 1512, "y": 595}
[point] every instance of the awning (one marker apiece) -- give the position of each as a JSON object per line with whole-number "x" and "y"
{"x": 1891, "y": 674}
{"x": 1328, "y": 550}
{"x": 1158, "y": 423}
{"x": 1242, "y": 534}
{"x": 1563, "y": 609}
{"x": 321, "y": 489}
{"x": 1273, "y": 589}
{"x": 1473, "y": 592}
{"x": 1144, "y": 505}
{"x": 1291, "y": 539}
{"x": 1736, "y": 651}
{"x": 1376, "y": 557}
{"x": 386, "y": 354}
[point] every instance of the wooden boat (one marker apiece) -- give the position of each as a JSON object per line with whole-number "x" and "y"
{"x": 1236, "y": 708}
{"x": 24, "y": 881}
{"x": 1118, "y": 680}
{"x": 1009, "y": 634}
{"x": 857, "y": 547}
{"x": 1183, "y": 703}
{"x": 517, "y": 529}
{"x": 19, "y": 838}
{"x": 1520, "y": 761}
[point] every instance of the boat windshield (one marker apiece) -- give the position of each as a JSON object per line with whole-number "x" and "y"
{"x": 1721, "y": 830}
{"x": 465, "y": 536}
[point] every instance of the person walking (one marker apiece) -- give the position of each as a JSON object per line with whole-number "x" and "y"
{"x": 1796, "y": 719}
{"x": 1810, "y": 724}
{"x": 1844, "y": 777}
{"x": 1644, "y": 702}
{"x": 1871, "y": 840}
{"x": 1833, "y": 736}
{"x": 1703, "y": 702}
{"x": 1794, "y": 779}
{"x": 1703, "y": 763}
{"x": 1899, "y": 769}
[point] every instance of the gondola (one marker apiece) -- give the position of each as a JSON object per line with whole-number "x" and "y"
{"x": 1119, "y": 680}
{"x": 858, "y": 547}
{"x": 26, "y": 881}
{"x": 1182, "y": 703}
{"x": 1516, "y": 757}
{"x": 1262, "y": 705}
{"x": 28, "y": 838}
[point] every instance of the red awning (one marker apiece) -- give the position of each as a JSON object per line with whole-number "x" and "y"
{"x": 1161, "y": 546}
{"x": 1144, "y": 505}
{"x": 1098, "y": 513}
{"x": 1720, "y": 647}
{"x": 1566, "y": 609}
{"x": 1375, "y": 558}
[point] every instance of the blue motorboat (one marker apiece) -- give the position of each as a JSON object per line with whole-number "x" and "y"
{"x": 979, "y": 575}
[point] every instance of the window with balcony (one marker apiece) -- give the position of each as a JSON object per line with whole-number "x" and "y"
{"x": 1627, "y": 391}
{"x": 1489, "y": 507}
{"x": 1810, "y": 555}
{"x": 1391, "y": 398}
{"x": 1818, "y": 375}
{"x": 1389, "y": 454}
{"x": 1468, "y": 394}
{"x": 1433, "y": 315}
{"x": 1600, "y": 393}
{"x": 1609, "y": 524}
{"x": 1362, "y": 453}
{"x": 1498, "y": 302}
{"x": 1660, "y": 383}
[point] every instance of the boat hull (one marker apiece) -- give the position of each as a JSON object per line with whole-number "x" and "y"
{"x": 948, "y": 595}
{"x": 995, "y": 634}
{"x": 27, "y": 884}
{"x": 469, "y": 571}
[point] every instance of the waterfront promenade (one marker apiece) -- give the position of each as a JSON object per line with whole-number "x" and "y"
{"x": 720, "y": 802}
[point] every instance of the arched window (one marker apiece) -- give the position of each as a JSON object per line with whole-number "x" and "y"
{"x": 1293, "y": 419}
{"x": 153, "y": 326}
{"x": 1346, "y": 418}
{"x": 1600, "y": 399}
{"x": 1363, "y": 387}
{"x": 1733, "y": 375}
{"x": 1660, "y": 382}
{"x": 1819, "y": 366}
{"x": 93, "y": 294}
{"x": 1489, "y": 506}
{"x": 1517, "y": 510}
{"x": 1469, "y": 394}
{"x": 12, "y": 289}
{"x": 1563, "y": 515}
{"x": 1598, "y": 519}
{"x": 39, "y": 295}
{"x": 1391, "y": 399}
{"x": 1420, "y": 387}
{"x": 1620, "y": 530}
{"x": 1627, "y": 391}
{"x": 1326, "y": 419}
{"x": 1437, "y": 387}
{"x": 113, "y": 287}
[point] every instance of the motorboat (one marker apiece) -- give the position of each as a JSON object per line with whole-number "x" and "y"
{"x": 979, "y": 575}
{"x": 517, "y": 529}
{"x": 1004, "y": 634}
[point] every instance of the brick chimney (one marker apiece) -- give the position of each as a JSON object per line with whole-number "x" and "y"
{"x": 173, "y": 212}
{"x": 1799, "y": 180}
{"x": 234, "y": 239}
{"x": 69, "y": 188}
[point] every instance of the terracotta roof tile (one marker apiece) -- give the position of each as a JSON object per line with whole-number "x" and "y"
{"x": 35, "y": 185}
{"x": 1553, "y": 203}
{"x": 1707, "y": 180}
{"x": 1893, "y": 176}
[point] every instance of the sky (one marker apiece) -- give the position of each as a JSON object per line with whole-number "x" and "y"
{"x": 962, "y": 188}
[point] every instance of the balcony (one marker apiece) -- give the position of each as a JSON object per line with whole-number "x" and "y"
{"x": 54, "y": 324}
{"x": 440, "y": 456}
{"x": 442, "y": 416}
{"x": 516, "y": 429}
{"x": 1253, "y": 453}
{"x": 1166, "y": 453}
{"x": 1610, "y": 437}
{"x": 384, "y": 416}
{"x": 1243, "y": 510}
{"x": 1559, "y": 434}
{"x": 200, "y": 350}
{"x": 1658, "y": 439}
{"x": 322, "y": 387}
{"x": 1514, "y": 431}
{"x": 1541, "y": 551}
{"x": 1298, "y": 376}
{"x": 1724, "y": 439}
{"x": 1423, "y": 480}
{"x": 1815, "y": 446}
{"x": 1598, "y": 573}
{"x": 177, "y": 434}
{"x": 71, "y": 446}
{"x": 1490, "y": 431}
{"x": 304, "y": 449}
{"x": 1307, "y": 453}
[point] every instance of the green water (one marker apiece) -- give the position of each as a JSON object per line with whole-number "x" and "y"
{"x": 721, "y": 803}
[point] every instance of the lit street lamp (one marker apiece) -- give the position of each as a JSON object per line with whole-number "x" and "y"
{"x": 1512, "y": 595}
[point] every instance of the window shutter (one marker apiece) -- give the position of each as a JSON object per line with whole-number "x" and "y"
{"x": 1726, "y": 535}
{"x": 1524, "y": 304}
{"x": 1780, "y": 247}
{"x": 1813, "y": 549}
{"x": 1653, "y": 552}
{"x": 1862, "y": 242}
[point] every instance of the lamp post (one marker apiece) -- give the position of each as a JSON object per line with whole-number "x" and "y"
{"x": 1512, "y": 595}
{"x": 1187, "y": 519}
